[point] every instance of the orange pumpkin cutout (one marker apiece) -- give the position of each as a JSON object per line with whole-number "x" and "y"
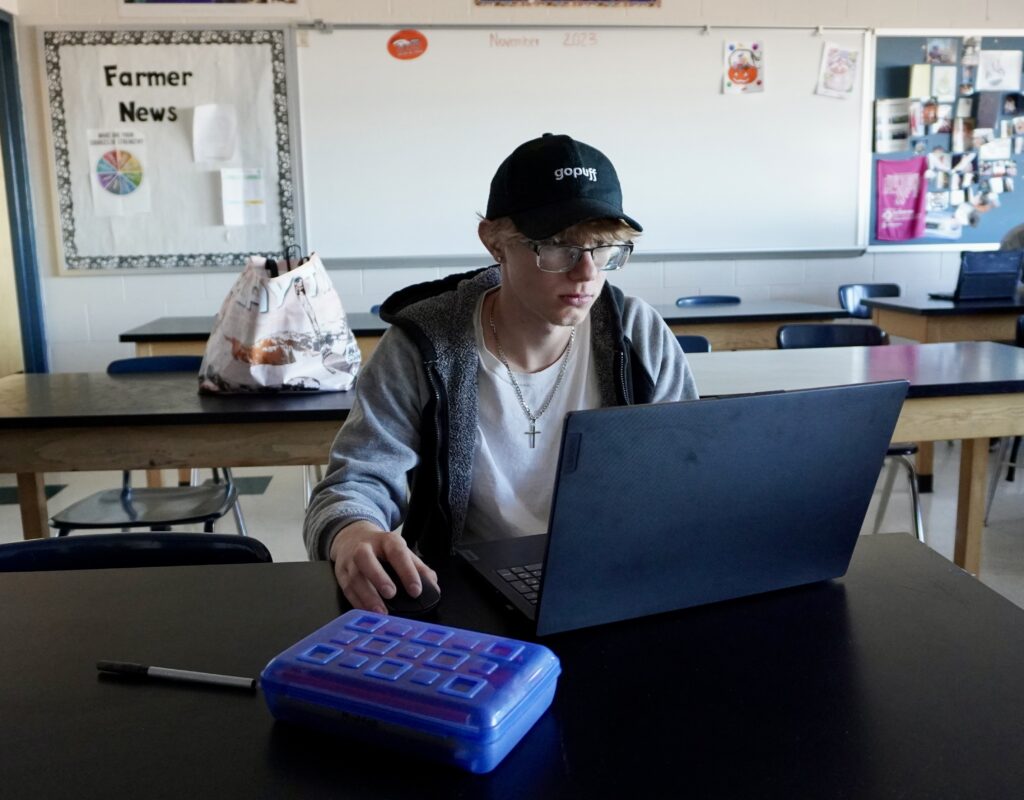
{"x": 742, "y": 69}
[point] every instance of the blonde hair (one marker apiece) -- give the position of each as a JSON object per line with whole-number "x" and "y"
{"x": 502, "y": 232}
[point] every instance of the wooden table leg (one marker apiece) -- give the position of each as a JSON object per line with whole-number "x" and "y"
{"x": 924, "y": 463}
{"x": 32, "y": 499}
{"x": 970, "y": 506}
{"x": 154, "y": 478}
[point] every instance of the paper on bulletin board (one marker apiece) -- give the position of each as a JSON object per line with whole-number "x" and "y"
{"x": 214, "y": 132}
{"x": 243, "y": 196}
{"x": 999, "y": 71}
{"x": 120, "y": 185}
{"x": 743, "y": 68}
{"x": 920, "y": 81}
{"x": 944, "y": 85}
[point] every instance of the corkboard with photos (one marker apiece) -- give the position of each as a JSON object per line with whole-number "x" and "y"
{"x": 957, "y": 101}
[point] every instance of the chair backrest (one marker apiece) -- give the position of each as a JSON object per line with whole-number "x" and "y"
{"x": 691, "y": 343}
{"x": 707, "y": 300}
{"x": 790, "y": 337}
{"x": 124, "y": 366}
{"x": 850, "y": 295}
{"x": 118, "y": 550}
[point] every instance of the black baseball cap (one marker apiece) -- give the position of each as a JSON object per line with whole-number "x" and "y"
{"x": 554, "y": 182}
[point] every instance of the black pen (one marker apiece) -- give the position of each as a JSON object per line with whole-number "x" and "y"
{"x": 186, "y": 675}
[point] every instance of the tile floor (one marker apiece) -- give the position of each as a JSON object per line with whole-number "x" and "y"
{"x": 275, "y": 516}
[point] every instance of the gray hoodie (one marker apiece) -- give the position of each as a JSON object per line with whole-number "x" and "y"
{"x": 404, "y": 455}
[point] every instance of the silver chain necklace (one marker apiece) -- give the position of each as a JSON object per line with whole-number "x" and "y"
{"x": 533, "y": 432}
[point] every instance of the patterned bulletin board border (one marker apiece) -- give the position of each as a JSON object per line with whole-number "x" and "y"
{"x": 53, "y": 41}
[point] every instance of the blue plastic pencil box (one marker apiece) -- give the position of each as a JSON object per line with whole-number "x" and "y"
{"x": 448, "y": 694}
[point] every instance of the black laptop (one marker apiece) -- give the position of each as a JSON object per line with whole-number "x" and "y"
{"x": 990, "y": 275}
{"x": 665, "y": 506}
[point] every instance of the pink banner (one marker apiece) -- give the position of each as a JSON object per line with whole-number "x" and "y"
{"x": 901, "y": 196}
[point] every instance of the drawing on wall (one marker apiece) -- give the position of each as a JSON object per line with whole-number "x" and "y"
{"x": 837, "y": 75}
{"x": 744, "y": 68}
{"x": 141, "y": 123}
{"x": 944, "y": 84}
{"x": 998, "y": 71}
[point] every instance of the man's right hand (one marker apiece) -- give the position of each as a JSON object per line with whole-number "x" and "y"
{"x": 357, "y": 551}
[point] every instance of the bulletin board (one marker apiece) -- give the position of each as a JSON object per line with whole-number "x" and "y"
{"x": 399, "y": 152}
{"x": 171, "y": 148}
{"x": 974, "y": 185}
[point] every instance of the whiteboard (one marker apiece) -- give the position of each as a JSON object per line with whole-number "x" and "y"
{"x": 398, "y": 154}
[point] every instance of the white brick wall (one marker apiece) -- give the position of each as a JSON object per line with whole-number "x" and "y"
{"x": 85, "y": 314}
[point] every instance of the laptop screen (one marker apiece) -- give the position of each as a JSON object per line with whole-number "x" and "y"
{"x": 671, "y": 505}
{"x": 991, "y": 275}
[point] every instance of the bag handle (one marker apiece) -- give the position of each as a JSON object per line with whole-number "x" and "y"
{"x": 298, "y": 258}
{"x": 289, "y": 262}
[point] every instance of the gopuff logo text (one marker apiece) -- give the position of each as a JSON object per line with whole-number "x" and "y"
{"x": 576, "y": 172}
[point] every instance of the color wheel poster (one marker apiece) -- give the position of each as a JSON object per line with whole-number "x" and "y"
{"x": 120, "y": 186}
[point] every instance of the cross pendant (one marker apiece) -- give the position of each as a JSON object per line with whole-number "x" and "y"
{"x": 532, "y": 433}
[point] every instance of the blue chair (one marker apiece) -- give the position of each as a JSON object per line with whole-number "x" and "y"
{"x": 119, "y": 550}
{"x": 691, "y": 343}
{"x": 850, "y": 295}
{"x": 128, "y": 366}
{"x": 899, "y": 453}
{"x": 806, "y": 335}
{"x": 159, "y": 508}
{"x": 707, "y": 300}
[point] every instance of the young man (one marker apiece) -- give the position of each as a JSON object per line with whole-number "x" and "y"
{"x": 463, "y": 400}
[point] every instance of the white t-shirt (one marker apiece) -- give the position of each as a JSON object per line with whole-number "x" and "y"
{"x": 512, "y": 482}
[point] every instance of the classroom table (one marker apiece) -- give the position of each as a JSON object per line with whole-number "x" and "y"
{"x": 900, "y": 680}
{"x": 93, "y": 421}
{"x": 745, "y": 326}
{"x": 961, "y": 390}
{"x": 920, "y": 318}
{"x": 925, "y": 320}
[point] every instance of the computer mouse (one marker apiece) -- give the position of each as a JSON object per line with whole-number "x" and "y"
{"x": 402, "y": 605}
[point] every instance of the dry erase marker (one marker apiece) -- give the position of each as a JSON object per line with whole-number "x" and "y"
{"x": 186, "y": 675}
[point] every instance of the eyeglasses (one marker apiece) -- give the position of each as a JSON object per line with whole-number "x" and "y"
{"x": 563, "y": 257}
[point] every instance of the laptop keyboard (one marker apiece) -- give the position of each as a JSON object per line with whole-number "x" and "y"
{"x": 525, "y": 580}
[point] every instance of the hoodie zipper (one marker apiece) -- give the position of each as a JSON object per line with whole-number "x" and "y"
{"x": 622, "y": 378}
{"x": 434, "y": 384}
